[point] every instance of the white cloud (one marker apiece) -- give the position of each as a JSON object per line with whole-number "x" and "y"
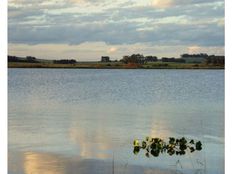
{"x": 94, "y": 50}
{"x": 171, "y": 3}
{"x": 194, "y": 49}
{"x": 112, "y": 50}
{"x": 221, "y": 22}
{"x": 162, "y": 3}
{"x": 116, "y": 23}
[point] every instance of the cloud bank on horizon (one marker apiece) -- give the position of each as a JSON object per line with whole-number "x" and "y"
{"x": 87, "y": 29}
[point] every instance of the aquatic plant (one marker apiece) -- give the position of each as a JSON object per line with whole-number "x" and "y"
{"x": 175, "y": 146}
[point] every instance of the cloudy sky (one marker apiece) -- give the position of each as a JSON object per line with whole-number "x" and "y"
{"x": 88, "y": 29}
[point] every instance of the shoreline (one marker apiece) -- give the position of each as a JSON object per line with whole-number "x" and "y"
{"x": 115, "y": 66}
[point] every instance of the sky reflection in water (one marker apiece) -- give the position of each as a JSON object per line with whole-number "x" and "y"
{"x": 59, "y": 116}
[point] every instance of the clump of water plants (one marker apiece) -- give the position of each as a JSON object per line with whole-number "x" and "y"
{"x": 175, "y": 146}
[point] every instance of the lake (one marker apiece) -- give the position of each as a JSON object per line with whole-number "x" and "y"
{"x": 85, "y": 120}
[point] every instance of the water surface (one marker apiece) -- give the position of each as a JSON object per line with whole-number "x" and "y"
{"x": 84, "y": 120}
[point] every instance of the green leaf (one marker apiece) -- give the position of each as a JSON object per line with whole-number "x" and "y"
{"x": 198, "y": 145}
{"x": 144, "y": 144}
{"x": 155, "y": 140}
{"x": 183, "y": 147}
{"x": 191, "y": 142}
{"x": 147, "y": 155}
{"x": 192, "y": 149}
{"x": 182, "y": 152}
{"x": 155, "y": 153}
{"x": 171, "y": 152}
{"x": 155, "y": 146}
{"x": 136, "y": 143}
{"x": 171, "y": 140}
{"x": 183, "y": 140}
{"x": 136, "y": 150}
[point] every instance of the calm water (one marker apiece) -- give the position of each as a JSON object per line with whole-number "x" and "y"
{"x": 84, "y": 121}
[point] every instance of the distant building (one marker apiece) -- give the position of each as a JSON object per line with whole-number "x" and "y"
{"x": 105, "y": 59}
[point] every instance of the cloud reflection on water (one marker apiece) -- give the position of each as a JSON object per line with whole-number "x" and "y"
{"x": 48, "y": 163}
{"x": 42, "y": 163}
{"x": 88, "y": 149}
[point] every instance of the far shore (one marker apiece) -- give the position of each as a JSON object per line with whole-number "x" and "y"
{"x": 116, "y": 65}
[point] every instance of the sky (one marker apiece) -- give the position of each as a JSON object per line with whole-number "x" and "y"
{"x": 88, "y": 29}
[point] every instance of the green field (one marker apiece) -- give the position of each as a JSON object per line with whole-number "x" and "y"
{"x": 115, "y": 65}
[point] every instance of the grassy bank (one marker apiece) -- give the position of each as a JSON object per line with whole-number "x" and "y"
{"x": 115, "y": 65}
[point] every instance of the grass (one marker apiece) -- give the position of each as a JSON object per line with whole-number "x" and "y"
{"x": 115, "y": 65}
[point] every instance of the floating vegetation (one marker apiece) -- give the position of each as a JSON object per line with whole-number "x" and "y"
{"x": 175, "y": 146}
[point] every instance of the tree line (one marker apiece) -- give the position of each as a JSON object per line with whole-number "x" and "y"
{"x": 216, "y": 60}
{"x": 138, "y": 58}
{"x": 208, "y": 59}
{"x": 65, "y": 61}
{"x": 28, "y": 59}
{"x": 201, "y": 55}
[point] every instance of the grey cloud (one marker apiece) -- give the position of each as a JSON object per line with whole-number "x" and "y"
{"x": 207, "y": 11}
{"x": 183, "y": 2}
{"x": 120, "y": 33}
{"x": 17, "y": 15}
{"x": 117, "y": 25}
